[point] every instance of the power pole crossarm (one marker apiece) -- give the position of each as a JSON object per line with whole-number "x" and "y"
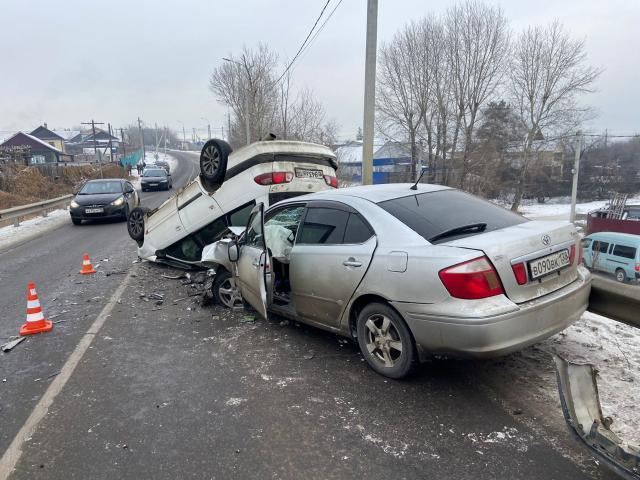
{"x": 369, "y": 92}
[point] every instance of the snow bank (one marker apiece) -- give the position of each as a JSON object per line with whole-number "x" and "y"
{"x": 614, "y": 349}
{"x": 561, "y": 206}
{"x": 32, "y": 228}
{"x": 150, "y": 159}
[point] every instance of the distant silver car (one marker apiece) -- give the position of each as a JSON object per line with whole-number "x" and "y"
{"x": 410, "y": 273}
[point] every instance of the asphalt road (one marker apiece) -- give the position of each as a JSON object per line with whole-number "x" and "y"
{"x": 53, "y": 261}
{"x": 178, "y": 390}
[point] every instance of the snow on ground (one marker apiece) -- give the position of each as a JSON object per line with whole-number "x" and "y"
{"x": 614, "y": 349}
{"x": 150, "y": 158}
{"x": 27, "y": 229}
{"x": 561, "y": 206}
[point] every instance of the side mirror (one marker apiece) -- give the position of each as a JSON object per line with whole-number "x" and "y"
{"x": 234, "y": 252}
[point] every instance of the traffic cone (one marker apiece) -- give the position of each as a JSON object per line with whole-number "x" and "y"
{"x": 86, "y": 265}
{"x": 35, "y": 319}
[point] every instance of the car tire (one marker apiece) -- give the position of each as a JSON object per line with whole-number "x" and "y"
{"x": 135, "y": 224}
{"x": 213, "y": 161}
{"x": 223, "y": 290}
{"x": 620, "y": 275}
{"x": 391, "y": 352}
{"x": 76, "y": 221}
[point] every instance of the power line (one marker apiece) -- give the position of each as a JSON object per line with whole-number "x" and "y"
{"x": 306, "y": 49}
{"x": 303, "y": 43}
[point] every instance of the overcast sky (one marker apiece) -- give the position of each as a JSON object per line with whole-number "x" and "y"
{"x": 65, "y": 61}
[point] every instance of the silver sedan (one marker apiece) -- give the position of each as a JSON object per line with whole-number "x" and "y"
{"x": 410, "y": 273}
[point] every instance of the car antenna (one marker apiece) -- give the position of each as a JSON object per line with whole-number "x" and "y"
{"x": 415, "y": 185}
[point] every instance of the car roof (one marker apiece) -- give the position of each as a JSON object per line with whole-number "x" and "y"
{"x": 376, "y": 193}
{"x": 279, "y": 146}
{"x": 628, "y": 237}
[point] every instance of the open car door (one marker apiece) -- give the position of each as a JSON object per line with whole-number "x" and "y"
{"x": 253, "y": 261}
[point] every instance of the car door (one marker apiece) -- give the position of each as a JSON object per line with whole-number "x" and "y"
{"x": 332, "y": 253}
{"x": 253, "y": 261}
{"x": 196, "y": 207}
{"x": 130, "y": 195}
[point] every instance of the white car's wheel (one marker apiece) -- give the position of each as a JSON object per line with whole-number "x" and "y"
{"x": 213, "y": 161}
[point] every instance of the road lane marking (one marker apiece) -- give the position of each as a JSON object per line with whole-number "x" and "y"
{"x": 12, "y": 455}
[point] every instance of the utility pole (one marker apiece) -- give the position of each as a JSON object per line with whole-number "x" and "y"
{"x": 110, "y": 142}
{"x": 95, "y": 144}
{"x": 229, "y": 126}
{"x": 144, "y": 152}
{"x": 576, "y": 169}
{"x": 124, "y": 148}
{"x": 369, "y": 92}
{"x": 194, "y": 135}
{"x": 156, "y": 125}
{"x": 247, "y": 113}
{"x": 165, "y": 140}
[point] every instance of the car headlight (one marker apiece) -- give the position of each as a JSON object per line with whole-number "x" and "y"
{"x": 118, "y": 201}
{"x": 74, "y": 204}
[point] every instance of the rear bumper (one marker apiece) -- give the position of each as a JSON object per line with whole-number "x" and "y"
{"x": 501, "y": 334}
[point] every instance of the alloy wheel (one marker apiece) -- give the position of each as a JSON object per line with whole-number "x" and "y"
{"x": 383, "y": 340}
{"x": 229, "y": 294}
{"x": 211, "y": 160}
{"x": 136, "y": 222}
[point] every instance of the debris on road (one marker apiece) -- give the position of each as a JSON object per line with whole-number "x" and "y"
{"x": 248, "y": 319}
{"x": 7, "y": 347}
{"x": 175, "y": 277}
{"x": 583, "y": 414}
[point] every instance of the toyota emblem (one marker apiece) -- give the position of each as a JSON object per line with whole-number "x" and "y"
{"x": 546, "y": 239}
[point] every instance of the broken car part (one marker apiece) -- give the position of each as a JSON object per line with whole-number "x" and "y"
{"x": 582, "y": 411}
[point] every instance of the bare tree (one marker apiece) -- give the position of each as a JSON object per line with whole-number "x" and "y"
{"x": 403, "y": 86}
{"x": 548, "y": 72}
{"x": 249, "y": 81}
{"x": 477, "y": 47}
{"x": 249, "y": 86}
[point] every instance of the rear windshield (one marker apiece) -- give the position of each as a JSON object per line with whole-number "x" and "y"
{"x": 154, "y": 173}
{"x": 433, "y": 213}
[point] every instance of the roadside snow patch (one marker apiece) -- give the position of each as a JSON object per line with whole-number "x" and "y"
{"x": 27, "y": 229}
{"x": 614, "y": 349}
{"x": 235, "y": 401}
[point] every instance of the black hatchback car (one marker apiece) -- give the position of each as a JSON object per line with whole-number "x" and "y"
{"x": 107, "y": 198}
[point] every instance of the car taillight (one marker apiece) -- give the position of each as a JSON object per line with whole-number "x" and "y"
{"x": 637, "y": 267}
{"x": 572, "y": 254}
{"x": 471, "y": 280}
{"x": 520, "y": 273}
{"x": 331, "y": 181}
{"x": 273, "y": 178}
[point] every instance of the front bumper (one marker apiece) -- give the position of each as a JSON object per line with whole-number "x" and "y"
{"x": 109, "y": 211}
{"x": 500, "y": 334}
{"x": 155, "y": 186}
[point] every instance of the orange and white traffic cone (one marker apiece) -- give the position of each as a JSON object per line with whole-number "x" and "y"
{"x": 86, "y": 265}
{"x": 35, "y": 319}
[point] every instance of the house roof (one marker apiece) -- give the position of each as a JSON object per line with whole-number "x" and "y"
{"x": 66, "y": 134}
{"x": 33, "y": 139}
{"x": 44, "y": 133}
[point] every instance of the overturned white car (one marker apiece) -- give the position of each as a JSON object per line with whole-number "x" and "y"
{"x": 223, "y": 195}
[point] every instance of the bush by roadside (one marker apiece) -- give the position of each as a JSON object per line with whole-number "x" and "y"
{"x": 20, "y": 185}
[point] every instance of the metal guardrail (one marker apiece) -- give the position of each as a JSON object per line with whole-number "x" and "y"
{"x": 615, "y": 300}
{"x": 43, "y": 207}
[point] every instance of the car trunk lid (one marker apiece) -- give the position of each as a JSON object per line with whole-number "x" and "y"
{"x": 525, "y": 243}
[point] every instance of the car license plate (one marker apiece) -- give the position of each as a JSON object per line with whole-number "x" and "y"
{"x": 153, "y": 184}
{"x": 309, "y": 173}
{"x": 549, "y": 263}
{"x": 94, "y": 210}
